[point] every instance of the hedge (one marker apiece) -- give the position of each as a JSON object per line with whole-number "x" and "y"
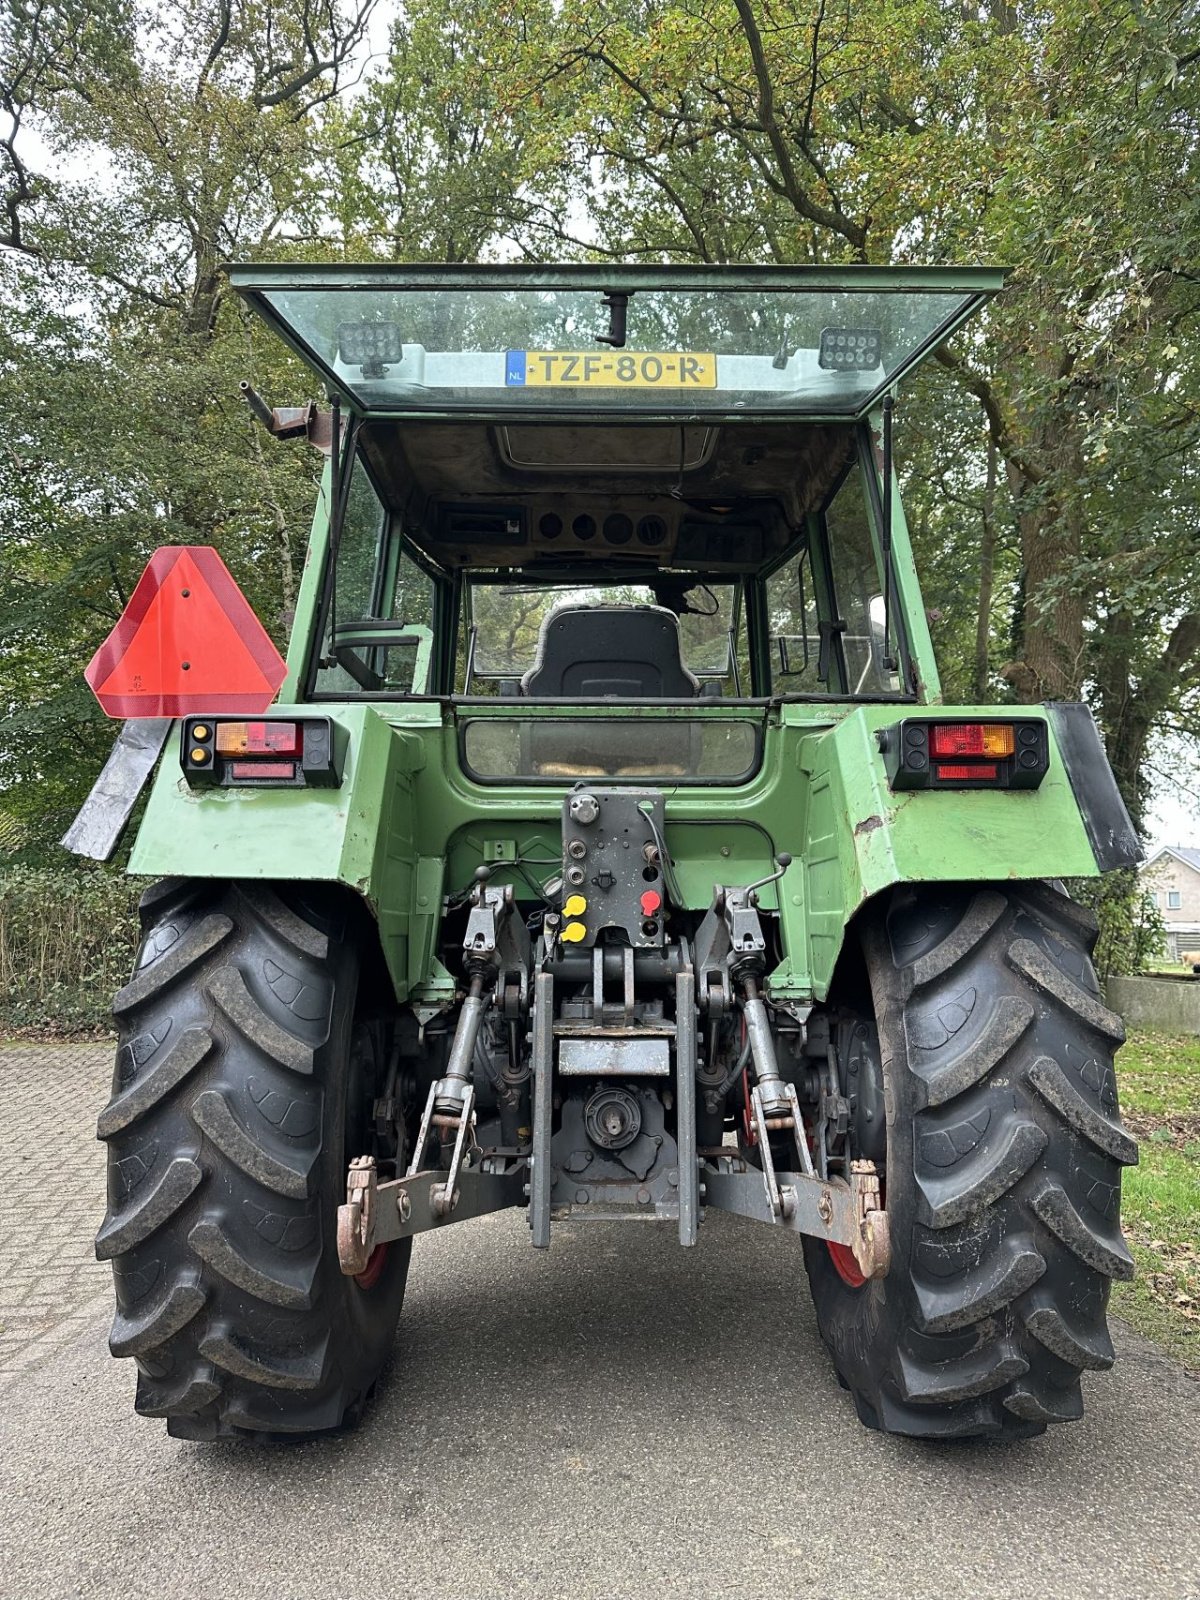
{"x": 68, "y": 938}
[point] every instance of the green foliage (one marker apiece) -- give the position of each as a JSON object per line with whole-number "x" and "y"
{"x": 68, "y": 938}
{"x": 1132, "y": 931}
{"x": 121, "y": 351}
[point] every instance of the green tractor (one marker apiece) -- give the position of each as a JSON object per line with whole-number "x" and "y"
{"x": 609, "y": 854}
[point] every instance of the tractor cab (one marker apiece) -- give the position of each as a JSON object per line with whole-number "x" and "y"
{"x": 599, "y": 485}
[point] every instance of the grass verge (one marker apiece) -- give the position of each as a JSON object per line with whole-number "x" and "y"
{"x": 1160, "y": 1197}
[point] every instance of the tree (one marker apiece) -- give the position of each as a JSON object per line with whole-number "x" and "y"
{"x": 1062, "y": 138}
{"x": 121, "y": 348}
{"x": 426, "y": 165}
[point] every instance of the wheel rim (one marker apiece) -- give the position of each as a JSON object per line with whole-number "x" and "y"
{"x": 845, "y": 1265}
{"x": 370, "y": 1276}
{"x": 360, "y": 1092}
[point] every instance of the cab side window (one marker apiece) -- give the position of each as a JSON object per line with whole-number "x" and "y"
{"x": 378, "y": 637}
{"x": 792, "y": 628}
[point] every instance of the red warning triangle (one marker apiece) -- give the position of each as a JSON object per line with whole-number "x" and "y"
{"x": 187, "y": 642}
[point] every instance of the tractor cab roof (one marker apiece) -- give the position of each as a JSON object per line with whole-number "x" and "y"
{"x": 522, "y": 416}
{"x": 520, "y": 342}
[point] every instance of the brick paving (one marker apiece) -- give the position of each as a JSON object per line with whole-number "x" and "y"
{"x": 52, "y": 1287}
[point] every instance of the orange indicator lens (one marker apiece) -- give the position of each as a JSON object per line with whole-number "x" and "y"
{"x": 258, "y": 738}
{"x": 973, "y": 739}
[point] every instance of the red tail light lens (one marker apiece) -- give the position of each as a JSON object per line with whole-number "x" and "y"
{"x": 973, "y": 739}
{"x": 978, "y": 769}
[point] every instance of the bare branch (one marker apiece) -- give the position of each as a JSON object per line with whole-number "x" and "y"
{"x": 798, "y": 196}
{"x": 217, "y": 46}
{"x": 975, "y": 383}
{"x": 320, "y": 57}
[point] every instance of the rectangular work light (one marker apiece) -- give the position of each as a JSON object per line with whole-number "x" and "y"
{"x": 850, "y": 349}
{"x": 370, "y": 345}
{"x": 980, "y": 753}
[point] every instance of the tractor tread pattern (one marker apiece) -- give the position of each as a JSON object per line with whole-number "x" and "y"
{"x": 198, "y": 1390}
{"x": 1007, "y": 1020}
{"x": 953, "y": 1196}
{"x": 228, "y": 989}
{"x": 964, "y": 1378}
{"x": 1004, "y": 1164}
{"x": 269, "y": 909}
{"x": 213, "y": 1246}
{"x": 152, "y": 1207}
{"x": 269, "y": 1370}
{"x": 1102, "y": 1253}
{"x": 983, "y": 913}
{"x": 177, "y": 959}
{"x": 1055, "y": 1088}
{"x": 134, "y": 1335}
{"x": 1042, "y": 1405}
{"x": 1029, "y": 959}
{"x": 183, "y": 1056}
{"x": 982, "y": 1290}
{"x": 225, "y": 1168}
{"x": 1092, "y": 1351}
{"x": 211, "y": 1114}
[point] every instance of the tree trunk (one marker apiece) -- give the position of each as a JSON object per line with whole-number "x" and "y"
{"x": 987, "y": 560}
{"x": 1050, "y": 657}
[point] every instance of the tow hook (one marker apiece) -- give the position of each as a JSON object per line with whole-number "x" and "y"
{"x": 357, "y": 1217}
{"x": 872, "y": 1244}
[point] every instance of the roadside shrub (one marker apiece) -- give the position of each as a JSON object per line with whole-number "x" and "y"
{"x": 68, "y": 937}
{"x": 1132, "y": 931}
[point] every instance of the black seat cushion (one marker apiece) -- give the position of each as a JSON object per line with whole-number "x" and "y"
{"x": 610, "y": 652}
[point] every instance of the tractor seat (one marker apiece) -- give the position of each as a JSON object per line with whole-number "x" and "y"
{"x": 603, "y": 653}
{"x": 610, "y": 653}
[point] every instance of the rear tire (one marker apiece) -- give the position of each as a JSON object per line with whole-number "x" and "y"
{"x": 243, "y": 1084}
{"x": 1004, "y": 1164}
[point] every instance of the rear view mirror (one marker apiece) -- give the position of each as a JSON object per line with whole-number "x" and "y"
{"x": 885, "y": 672}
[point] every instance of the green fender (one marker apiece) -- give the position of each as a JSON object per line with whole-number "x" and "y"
{"x": 407, "y": 826}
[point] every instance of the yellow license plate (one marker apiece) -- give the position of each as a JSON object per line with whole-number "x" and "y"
{"x": 609, "y": 369}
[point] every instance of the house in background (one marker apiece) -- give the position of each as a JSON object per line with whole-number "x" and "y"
{"x": 1172, "y": 878}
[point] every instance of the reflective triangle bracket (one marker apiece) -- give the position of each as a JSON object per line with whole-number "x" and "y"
{"x": 187, "y": 642}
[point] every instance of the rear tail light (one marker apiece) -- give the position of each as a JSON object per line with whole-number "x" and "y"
{"x": 256, "y": 771}
{"x": 973, "y": 739}
{"x": 986, "y": 770}
{"x": 222, "y": 751}
{"x": 258, "y": 738}
{"x": 983, "y": 753}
